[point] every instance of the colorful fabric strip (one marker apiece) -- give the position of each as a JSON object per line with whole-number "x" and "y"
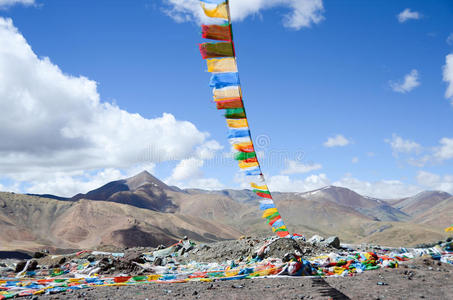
{"x": 244, "y": 155}
{"x": 252, "y": 172}
{"x": 264, "y": 195}
{"x": 212, "y": 50}
{"x": 271, "y": 217}
{"x": 278, "y": 223}
{"x": 216, "y": 65}
{"x": 244, "y": 165}
{"x": 281, "y": 228}
{"x": 228, "y": 92}
{"x": 250, "y": 160}
{"x": 259, "y": 187}
{"x": 266, "y": 206}
{"x": 216, "y": 32}
{"x": 230, "y": 103}
{"x": 243, "y": 140}
{"x": 235, "y": 133}
{"x": 237, "y": 123}
{"x": 219, "y": 11}
{"x": 244, "y": 147}
{"x": 220, "y": 80}
{"x": 271, "y": 222}
{"x": 269, "y": 212}
{"x": 261, "y": 191}
{"x": 235, "y": 113}
{"x": 283, "y": 234}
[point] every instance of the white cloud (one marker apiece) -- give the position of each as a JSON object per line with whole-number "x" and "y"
{"x": 407, "y": 14}
{"x": 337, "y": 141}
{"x": 445, "y": 150}
{"x": 295, "y": 167}
{"x": 186, "y": 169}
{"x": 410, "y": 82}
{"x": 302, "y": 13}
{"x": 448, "y": 76}
{"x": 450, "y": 39}
{"x": 51, "y": 122}
{"x": 355, "y": 160}
{"x": 384, "y": 189}
{"x": 283, "y": 183}
{"x": 435, "y": 182}
{"x": 206, "y": 184}
{"x": 8, "y": 3}
{"x": 400, "y": 145}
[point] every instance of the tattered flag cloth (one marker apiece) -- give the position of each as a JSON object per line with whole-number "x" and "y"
{"x": 221, "y": 49}
{"x": 221, "y": 62}
{"x": 216, "y": 32}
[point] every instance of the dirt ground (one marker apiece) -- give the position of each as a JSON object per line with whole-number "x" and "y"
{"x": 421, "y": 278}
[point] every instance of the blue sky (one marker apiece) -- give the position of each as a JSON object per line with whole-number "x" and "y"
{"x": 354, "y": 72}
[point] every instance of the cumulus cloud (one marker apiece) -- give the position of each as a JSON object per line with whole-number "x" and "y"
{"x": 52, "y": 122}
{"x": 400, "y": 145}
{"x": 407, "y": 14}
{"x": 8, "y": 3}
{"x": 448, "y": 76}
{"x": 187, "y": 168}
{"x": 337, "y": 141}
{"x": 284, "y": 183}
{"x": 409, "y": 83}
{"x": 303, "y": 13}
{"x": 450, "y": 39}
{"x": 384, "y": 189}
{"x": 188, "y": 174}
{"x": 295, "y": 167}
{"x": 445, "y": 150}
{"x": 435, "y": 182}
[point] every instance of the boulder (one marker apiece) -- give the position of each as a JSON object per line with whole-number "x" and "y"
{"x": 332, "y": 241}
{"x": 316, "y": 239}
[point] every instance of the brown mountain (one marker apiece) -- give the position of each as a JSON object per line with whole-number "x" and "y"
{"x": 142, "y": 210}
{"x": 420, "y": 203}
{"x": 29, "y": 222}
{"x": 142, "y": 190}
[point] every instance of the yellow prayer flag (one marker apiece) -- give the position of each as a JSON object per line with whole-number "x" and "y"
{"x": 244, "y": 165}
{"x": 259, "y": 187}
{"x": 220, "y": 11}
{"x": 237, "y": 123}
{"x": 270, "y": 211}
{"x": 448, "y": 229}
{"x": 275, "y": 229}
{"x": 227, "y": 64}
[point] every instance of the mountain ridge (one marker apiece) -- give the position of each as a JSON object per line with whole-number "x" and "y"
{"x": 158, "y": 212}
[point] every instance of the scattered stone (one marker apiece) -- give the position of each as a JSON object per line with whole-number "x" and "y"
{"x": 39, "y": 255}
{"x": 20, "y": 266}
{"x": 316, "y": 239}
{"x": 332, "y": 241}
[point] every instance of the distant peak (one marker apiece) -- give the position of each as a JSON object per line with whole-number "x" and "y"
{"x": 144, "y": 178}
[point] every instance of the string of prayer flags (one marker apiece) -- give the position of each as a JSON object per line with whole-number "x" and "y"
{"x": 221, "y": 62}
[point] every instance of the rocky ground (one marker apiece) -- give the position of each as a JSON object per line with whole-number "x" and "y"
{"x": 422, "y": 277}
{"x": 417, "y": 279}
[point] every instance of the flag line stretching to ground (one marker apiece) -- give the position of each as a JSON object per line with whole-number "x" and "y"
{"x": 221, "y": 60}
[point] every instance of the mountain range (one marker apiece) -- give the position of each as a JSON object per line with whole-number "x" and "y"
{"x": 144, "y": 211}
